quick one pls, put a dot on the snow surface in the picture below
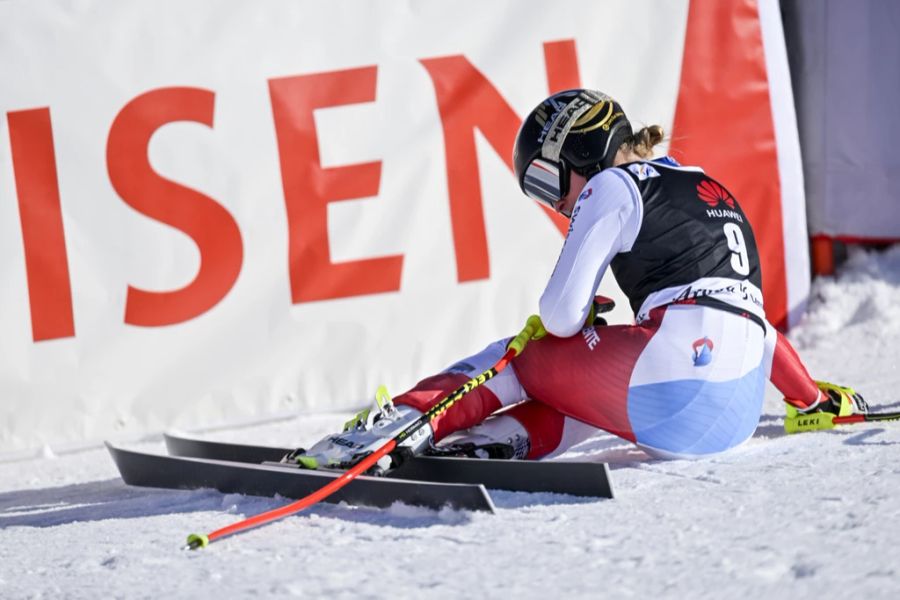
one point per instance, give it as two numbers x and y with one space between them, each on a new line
815 515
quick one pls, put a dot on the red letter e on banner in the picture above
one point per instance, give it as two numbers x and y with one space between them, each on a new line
309 188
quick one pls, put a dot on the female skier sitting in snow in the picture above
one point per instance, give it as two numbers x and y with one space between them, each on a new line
685 381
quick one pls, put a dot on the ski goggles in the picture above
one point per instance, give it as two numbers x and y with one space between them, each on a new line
546 181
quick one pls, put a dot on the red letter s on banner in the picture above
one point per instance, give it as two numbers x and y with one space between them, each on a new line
209 224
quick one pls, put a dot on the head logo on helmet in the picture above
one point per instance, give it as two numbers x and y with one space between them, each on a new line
577 129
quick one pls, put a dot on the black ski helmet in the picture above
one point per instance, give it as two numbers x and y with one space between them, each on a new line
576 129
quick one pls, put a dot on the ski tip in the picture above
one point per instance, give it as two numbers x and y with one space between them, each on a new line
817 421
195 541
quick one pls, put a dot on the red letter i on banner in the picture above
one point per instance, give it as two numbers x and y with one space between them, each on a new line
46 262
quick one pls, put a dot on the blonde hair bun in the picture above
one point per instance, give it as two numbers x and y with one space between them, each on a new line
643 141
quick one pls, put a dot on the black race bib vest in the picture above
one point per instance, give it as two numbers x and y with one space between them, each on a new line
692 228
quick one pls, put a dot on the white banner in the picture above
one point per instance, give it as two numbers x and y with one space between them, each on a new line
211 211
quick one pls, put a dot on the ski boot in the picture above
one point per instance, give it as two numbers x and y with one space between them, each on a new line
500 437
363 434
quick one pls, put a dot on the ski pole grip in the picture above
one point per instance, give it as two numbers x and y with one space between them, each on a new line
816 421
534 330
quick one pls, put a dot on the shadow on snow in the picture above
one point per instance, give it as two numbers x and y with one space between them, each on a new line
113 499
97 501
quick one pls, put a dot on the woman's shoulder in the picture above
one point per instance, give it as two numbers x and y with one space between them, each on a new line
610 191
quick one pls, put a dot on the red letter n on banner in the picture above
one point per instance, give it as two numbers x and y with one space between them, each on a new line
309 188
209 224
46 261
467 101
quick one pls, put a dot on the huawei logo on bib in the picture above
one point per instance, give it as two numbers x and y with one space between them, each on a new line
712 193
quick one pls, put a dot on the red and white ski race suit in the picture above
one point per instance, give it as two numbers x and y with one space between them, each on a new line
687 379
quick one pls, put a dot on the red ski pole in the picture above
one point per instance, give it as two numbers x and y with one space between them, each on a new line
534 329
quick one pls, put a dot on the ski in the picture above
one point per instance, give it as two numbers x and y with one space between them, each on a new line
574 478
230 477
